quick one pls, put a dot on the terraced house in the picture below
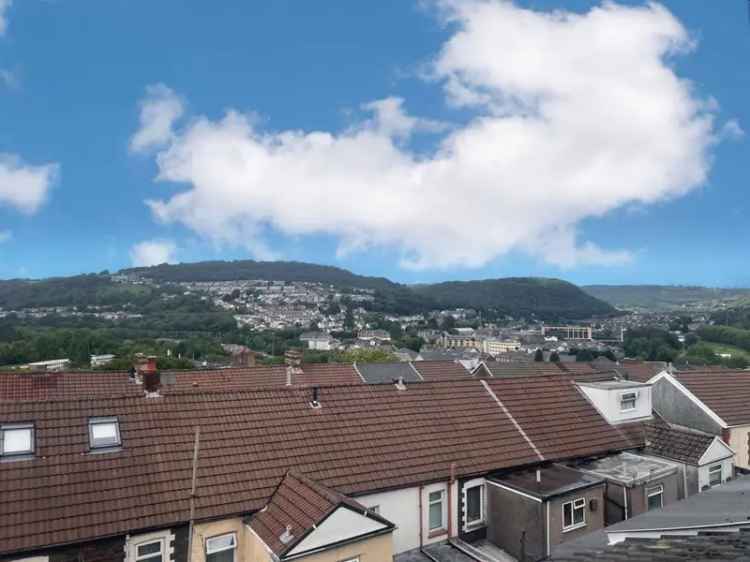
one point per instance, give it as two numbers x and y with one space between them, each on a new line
312 463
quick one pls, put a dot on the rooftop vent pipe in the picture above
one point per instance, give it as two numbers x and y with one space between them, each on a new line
400 385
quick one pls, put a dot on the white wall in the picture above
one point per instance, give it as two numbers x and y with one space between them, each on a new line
607 401
727 471
341 525
401 507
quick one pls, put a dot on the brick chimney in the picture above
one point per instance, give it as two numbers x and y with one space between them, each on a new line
150 374
293 361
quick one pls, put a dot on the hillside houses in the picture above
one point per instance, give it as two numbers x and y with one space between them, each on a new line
315 461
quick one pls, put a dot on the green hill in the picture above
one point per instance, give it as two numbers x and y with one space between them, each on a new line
548 299
665 297
544 298
263 270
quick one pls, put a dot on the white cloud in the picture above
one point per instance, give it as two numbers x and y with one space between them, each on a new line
732 130
574 116
5 235
4 6
159 110
153 252
24 186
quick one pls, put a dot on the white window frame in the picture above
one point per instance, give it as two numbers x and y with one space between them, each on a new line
430 502
482 501
15 427
152 555
354 559
652 491
713 469
233 547
134 541
580 504
624 397
104 420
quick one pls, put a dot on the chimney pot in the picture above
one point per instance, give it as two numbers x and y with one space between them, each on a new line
315 403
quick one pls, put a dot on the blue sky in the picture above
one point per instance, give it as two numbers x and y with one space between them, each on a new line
74 84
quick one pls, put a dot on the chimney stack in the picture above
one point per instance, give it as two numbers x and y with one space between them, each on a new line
150 374
315 403
293 361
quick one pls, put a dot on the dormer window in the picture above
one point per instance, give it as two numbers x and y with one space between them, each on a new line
627 401
16 439
104 433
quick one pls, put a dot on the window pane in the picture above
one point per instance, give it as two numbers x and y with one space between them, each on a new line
436 515
714 475
578 515
219 543
17 441
223 556
654 500
104 432
149 548
436 496
567 514
474 504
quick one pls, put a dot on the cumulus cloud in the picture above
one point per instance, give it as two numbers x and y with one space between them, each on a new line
153 252
573 116
24 186
4 6
159 110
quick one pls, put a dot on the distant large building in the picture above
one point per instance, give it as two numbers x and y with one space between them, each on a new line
51 365
461 341
568 332
493 346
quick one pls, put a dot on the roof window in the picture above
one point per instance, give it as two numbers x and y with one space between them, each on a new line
104 433
16 439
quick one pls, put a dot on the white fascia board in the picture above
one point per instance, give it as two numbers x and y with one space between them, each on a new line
717 443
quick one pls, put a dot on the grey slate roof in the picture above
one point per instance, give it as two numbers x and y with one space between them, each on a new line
720 506
554 480
380 373
717 547
676 443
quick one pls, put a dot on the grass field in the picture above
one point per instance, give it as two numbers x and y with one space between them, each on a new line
720 348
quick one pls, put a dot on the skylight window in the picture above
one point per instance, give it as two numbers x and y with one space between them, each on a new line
104 433
16 439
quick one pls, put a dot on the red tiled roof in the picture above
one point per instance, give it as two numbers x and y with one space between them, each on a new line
676 443
441 370
556 417
641 371
302 504
60 385
727 393
364 438
578 367
249 378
